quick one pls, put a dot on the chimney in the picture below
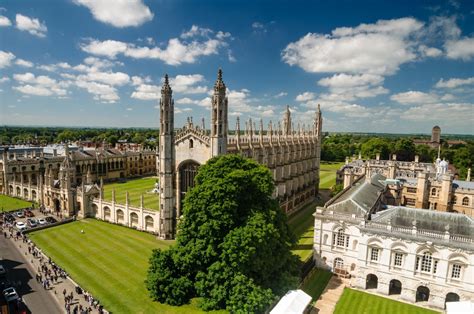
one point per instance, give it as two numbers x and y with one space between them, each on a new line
394 157
417 158
377 156
468 178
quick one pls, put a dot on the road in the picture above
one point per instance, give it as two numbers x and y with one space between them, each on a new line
20 273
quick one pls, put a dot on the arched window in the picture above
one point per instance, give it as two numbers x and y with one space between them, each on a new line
465 201
340 239
433 192
455 200
191 143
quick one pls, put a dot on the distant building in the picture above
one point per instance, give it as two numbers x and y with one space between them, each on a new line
418 255
435 141
415 184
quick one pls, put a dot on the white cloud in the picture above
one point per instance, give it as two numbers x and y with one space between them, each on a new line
460 49
346 81
137 80
186 101
24 63
378 48
426 51
6 58
39 85
176 52
4 79
196 31
147 92
4 21
118 13
305 96
282 94
346 87
102 92
454 82
458 113
111 78
186 84
414 97
31 25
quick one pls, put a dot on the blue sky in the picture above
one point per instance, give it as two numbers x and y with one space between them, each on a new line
373 66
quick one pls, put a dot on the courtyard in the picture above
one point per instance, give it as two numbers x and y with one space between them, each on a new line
353 301
8 203
135 188
327 174
109 261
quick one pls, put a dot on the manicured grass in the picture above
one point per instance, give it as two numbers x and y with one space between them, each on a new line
135 188
110 261
302 225
353 301
8 203
316 282
327 174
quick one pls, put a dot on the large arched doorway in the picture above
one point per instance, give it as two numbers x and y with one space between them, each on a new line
451 297
422 294
94 210
33 195
395 287
187 172
371 281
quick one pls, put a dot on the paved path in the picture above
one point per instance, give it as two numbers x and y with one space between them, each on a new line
327 302
55 292
22 275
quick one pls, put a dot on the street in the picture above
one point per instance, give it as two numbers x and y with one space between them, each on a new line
36 299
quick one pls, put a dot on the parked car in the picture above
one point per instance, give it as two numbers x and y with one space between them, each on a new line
51 219
29 213
20 225
32 222
20 214
10 294
42 221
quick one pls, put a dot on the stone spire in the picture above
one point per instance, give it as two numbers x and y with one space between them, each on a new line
287 121
203 124
167 162
260 133
237 130
219 120
270 130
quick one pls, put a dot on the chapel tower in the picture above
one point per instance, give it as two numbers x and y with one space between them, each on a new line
167 162
219 120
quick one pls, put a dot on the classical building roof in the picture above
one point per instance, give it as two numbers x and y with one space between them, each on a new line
433 220
463 184
361 198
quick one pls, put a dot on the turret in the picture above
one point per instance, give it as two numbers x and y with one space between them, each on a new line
287 122
167 162
219 118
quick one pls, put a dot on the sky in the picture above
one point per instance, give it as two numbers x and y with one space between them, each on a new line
373 66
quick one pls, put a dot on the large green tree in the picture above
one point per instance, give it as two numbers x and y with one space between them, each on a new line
233 242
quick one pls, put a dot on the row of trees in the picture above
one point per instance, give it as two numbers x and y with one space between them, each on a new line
338 146
50 135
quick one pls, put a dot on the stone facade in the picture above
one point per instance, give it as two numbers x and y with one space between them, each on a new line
416 184
68 183
413 254
292 154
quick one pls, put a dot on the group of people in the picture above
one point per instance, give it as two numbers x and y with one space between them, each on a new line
49 274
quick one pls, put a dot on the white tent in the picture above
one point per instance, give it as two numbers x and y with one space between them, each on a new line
460 307
293 302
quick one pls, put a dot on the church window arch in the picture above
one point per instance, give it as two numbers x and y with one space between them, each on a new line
465 201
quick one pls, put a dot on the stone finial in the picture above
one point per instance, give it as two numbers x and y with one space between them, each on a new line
203 124
166 89
126 198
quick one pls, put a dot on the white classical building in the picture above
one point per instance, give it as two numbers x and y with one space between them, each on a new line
417 255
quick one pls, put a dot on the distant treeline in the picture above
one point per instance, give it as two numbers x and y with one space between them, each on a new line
336 147
50 135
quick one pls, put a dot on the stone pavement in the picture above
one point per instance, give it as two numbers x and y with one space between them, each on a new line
56 289
328 299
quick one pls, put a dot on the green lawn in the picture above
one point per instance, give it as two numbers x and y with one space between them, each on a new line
327 174
316 282
135 188
353 301
110 261
8 203
302 225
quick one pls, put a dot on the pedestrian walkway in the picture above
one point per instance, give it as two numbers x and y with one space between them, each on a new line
63 289
327 301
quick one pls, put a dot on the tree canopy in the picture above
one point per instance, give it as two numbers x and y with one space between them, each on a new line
233 243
